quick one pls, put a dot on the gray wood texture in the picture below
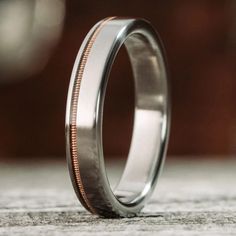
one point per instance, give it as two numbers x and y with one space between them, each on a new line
192 198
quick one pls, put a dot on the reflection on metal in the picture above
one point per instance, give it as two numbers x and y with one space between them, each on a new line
29 30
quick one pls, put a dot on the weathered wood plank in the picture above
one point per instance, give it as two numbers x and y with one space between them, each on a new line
192 198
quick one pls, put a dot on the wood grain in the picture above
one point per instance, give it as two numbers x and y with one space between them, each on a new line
192 198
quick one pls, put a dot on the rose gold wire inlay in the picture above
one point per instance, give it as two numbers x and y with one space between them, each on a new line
73 128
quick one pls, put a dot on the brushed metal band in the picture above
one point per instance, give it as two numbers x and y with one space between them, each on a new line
85 110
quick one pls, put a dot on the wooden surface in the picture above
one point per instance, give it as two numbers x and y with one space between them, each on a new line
192 198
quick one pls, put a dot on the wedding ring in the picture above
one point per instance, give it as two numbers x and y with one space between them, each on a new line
85 111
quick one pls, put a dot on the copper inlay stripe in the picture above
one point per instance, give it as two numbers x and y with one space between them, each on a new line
73 128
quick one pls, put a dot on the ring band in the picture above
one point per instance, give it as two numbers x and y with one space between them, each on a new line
85 110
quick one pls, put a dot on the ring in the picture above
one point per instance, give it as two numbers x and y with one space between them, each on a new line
84 114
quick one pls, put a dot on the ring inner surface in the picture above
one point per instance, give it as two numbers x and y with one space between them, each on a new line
149 117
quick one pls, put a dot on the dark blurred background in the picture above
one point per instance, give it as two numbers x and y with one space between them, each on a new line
39 41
